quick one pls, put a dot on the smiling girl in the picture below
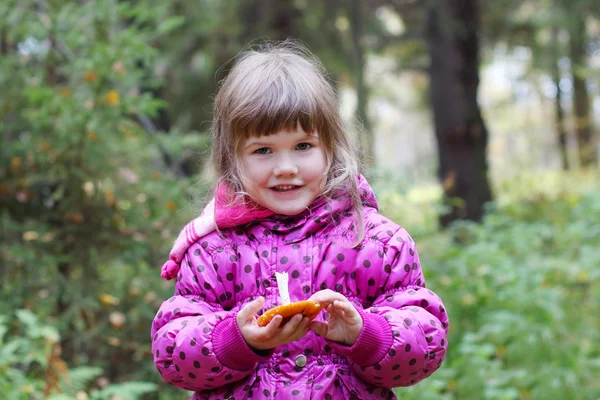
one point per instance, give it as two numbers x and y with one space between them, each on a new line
290 200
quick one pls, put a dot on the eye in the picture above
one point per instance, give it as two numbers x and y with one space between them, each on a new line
303 146
262 150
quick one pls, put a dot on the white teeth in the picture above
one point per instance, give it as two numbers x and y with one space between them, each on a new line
283 188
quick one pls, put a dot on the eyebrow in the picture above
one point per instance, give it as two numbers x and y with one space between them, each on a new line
251 143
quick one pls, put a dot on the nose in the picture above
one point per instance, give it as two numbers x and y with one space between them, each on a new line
285 166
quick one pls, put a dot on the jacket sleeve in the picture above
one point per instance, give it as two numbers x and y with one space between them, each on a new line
403 339
196 342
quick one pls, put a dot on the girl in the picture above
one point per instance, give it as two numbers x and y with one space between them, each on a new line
290 199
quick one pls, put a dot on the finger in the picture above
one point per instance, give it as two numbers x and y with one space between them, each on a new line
327 296
332 310
274 323
303 328
300 330
345 306
248 312
291 326
319 328
270 330
348 312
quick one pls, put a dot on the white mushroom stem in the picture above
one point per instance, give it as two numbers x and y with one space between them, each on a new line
282 285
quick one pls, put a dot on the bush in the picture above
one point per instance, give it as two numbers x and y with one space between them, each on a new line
523 295
89 207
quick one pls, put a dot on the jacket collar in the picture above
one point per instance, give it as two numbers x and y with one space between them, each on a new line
323 212
223 212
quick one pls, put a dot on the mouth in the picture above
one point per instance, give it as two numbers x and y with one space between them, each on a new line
284 188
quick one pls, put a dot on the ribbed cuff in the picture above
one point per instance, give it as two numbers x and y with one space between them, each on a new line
373 342
230 347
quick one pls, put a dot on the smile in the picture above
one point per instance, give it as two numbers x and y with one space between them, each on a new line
284 188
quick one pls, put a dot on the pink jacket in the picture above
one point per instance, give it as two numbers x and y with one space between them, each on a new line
198 346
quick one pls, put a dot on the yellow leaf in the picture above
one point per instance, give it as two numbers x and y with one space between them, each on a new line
30 235
92 137
108 300
16 162
109 196
468 299
501 351
449 181
48 237
171 205
75 218
583 277
27 389
150 297
90 76
112 98
452 385
45 147
117 220
56 369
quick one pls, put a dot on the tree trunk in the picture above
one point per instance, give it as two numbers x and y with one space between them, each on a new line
452 28
581 100
559 114
358 57
268 20
282 16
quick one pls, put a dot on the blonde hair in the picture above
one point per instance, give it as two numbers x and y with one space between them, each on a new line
276 87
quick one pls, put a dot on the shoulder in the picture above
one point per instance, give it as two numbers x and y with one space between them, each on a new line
220 248
396 251
210 243
383 230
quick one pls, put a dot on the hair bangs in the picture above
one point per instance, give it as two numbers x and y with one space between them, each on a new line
278 104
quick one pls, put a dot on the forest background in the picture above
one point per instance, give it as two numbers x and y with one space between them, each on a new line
480 125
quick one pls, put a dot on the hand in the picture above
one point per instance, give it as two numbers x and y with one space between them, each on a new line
272 335
344 324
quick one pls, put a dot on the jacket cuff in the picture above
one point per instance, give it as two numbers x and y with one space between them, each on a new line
230 347
373 342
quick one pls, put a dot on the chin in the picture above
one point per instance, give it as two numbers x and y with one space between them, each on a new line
289 209
289 212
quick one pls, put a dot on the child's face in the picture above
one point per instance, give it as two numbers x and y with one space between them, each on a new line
286 170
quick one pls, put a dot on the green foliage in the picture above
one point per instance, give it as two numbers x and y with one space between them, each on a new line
30 366
523 294
24 347
88 207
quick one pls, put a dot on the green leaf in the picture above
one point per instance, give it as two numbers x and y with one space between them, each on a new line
170 24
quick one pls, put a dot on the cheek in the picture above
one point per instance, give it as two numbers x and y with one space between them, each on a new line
318 166
254 173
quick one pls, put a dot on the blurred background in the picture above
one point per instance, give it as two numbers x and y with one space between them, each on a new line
480 136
